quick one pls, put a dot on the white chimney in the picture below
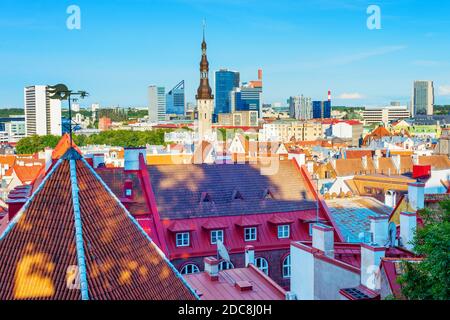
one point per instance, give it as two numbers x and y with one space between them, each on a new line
415 159
98 160
416 195
390 198
249 255
132 156
370 265
376 162
212 268
396 160
408 226
48 159
323 239
364 162
310 166
379 229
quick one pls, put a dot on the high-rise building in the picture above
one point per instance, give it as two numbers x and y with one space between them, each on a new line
300 108
43 116
175 100
248 97
422 102
157 103
322 109
226 82
205 98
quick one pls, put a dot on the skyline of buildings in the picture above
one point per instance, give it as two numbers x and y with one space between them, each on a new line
422 101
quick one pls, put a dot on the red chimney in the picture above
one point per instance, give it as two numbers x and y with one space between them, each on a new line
260 74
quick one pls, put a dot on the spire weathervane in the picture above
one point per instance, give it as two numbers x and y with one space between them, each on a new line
62 92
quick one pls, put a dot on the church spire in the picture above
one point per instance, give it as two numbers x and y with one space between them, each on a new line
204 91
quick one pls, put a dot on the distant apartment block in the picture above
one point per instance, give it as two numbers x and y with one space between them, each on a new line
300 108
248 97
175 100
385 114
226 82
239 119
43 116
422 102
287 131
157 103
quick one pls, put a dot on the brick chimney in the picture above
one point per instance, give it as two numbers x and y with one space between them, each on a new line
379 229
132 158
249 255
408 226
371 256
323 239
212 268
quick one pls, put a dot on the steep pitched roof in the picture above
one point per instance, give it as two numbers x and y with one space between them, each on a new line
74 225
178 189
62 147
437 162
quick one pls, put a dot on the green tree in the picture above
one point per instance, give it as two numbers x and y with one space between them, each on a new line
34 144
430 279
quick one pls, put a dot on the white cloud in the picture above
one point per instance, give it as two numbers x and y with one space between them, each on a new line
444 90
351 96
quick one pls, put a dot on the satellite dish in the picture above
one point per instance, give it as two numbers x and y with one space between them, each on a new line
392 234
223 252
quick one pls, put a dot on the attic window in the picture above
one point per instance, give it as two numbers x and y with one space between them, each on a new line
205 198
237 196
268 195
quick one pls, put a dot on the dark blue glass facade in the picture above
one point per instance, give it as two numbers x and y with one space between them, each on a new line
249 99
226 81
321 109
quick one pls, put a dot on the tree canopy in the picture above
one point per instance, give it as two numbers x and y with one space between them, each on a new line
121 138
430 279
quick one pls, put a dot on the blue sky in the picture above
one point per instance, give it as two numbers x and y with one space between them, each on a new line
304 47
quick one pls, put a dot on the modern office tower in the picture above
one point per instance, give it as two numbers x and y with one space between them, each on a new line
248 97
175 100
226 82
157 103
322 109
300 108
422 102
43 115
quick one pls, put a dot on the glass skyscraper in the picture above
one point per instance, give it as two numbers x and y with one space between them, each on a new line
248 99
157 103
321 109
226 81
175 100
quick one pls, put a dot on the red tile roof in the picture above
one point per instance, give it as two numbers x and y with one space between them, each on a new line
262 287
121 261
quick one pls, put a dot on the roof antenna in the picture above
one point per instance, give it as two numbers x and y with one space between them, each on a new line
62 92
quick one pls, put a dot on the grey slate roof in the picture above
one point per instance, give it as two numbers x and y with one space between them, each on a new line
179 190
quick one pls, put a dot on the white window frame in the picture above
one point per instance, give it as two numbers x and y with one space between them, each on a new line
253 232
224 263
216 235
262 264
190 269
286 267
284 231
183 239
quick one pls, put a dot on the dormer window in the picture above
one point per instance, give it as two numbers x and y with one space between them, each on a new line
250 234
216 235
128 193
183 239
237 196
205 198
268 194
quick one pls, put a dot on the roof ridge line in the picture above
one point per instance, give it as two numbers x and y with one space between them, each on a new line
19 215
136 223
78 231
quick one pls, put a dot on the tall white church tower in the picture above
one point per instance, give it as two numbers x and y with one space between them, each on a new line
205 99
